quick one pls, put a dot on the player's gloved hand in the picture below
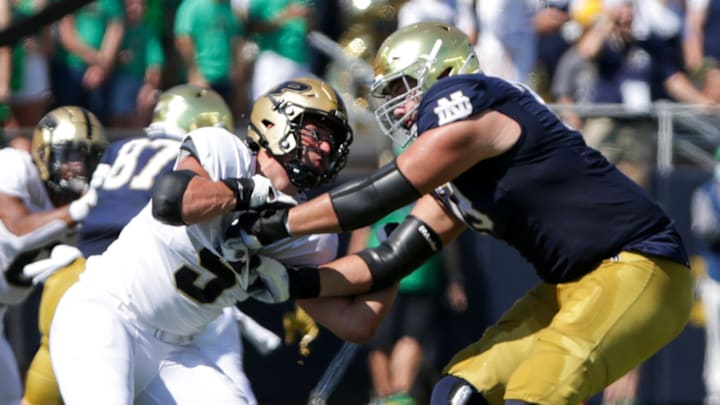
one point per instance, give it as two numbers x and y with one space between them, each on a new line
298 324
268 280
265 227
263 339
257 192
236 236
60 257
80 208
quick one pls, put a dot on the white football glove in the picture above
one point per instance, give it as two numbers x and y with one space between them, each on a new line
265 195
80 208
263 339
256 193
61 256
268 280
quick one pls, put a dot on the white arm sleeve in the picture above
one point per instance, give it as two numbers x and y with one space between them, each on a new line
39 237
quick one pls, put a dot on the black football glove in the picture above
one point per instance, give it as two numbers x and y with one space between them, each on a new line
266 226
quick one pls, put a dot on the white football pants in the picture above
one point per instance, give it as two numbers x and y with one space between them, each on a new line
10 385
710 295
100 355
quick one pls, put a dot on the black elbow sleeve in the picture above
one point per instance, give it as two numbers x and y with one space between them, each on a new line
168 196
411 244
363 202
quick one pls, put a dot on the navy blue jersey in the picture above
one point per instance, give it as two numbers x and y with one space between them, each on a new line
135 165
556 200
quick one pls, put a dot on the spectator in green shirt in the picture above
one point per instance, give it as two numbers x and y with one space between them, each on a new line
138 69
280 28
90 40
207 37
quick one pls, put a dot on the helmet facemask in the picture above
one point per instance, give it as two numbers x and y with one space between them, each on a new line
411 80
70 168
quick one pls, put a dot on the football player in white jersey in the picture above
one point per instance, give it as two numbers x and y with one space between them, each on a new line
126 332
43 195
124 181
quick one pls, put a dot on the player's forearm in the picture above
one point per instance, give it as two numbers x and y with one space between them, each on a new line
345 276
353 205
26 224
315 216
354 319
204 200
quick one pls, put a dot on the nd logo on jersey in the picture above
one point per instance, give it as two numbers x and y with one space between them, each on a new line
457 107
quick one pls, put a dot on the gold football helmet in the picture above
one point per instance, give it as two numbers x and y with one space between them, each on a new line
67 145
415 57
278 116
186 107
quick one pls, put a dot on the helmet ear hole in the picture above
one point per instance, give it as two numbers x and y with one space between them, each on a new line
445 73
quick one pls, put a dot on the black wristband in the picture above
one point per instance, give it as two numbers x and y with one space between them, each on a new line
304 282
243 189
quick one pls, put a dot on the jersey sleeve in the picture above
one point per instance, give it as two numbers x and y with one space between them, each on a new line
453 99
16 168
221 153
183 18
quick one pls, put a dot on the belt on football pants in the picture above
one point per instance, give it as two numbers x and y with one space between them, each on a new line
159 334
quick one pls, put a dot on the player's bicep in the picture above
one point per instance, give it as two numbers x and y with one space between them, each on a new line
437 156
443 153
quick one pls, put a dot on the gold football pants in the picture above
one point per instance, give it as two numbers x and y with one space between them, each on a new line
560 344
40 385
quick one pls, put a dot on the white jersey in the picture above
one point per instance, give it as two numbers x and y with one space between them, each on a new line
174 278
18 178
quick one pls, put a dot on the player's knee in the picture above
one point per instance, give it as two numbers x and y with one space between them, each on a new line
451 390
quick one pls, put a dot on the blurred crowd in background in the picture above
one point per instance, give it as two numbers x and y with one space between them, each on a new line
114 56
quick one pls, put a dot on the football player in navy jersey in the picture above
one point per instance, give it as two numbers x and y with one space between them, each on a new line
488 155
